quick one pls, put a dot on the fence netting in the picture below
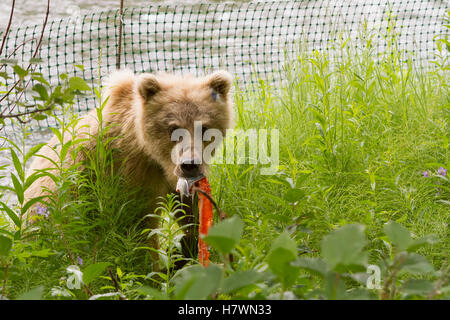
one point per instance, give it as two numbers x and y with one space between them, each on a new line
246 38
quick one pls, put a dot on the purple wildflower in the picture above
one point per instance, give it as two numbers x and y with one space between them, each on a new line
426 174
42 211
442 171
80 261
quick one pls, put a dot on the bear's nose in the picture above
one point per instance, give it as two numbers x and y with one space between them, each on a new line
190 169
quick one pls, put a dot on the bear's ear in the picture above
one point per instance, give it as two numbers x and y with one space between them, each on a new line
148 86
220 82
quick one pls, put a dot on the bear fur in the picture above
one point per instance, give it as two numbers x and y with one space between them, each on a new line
140 114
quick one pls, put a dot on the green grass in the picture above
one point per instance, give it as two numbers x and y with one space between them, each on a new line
357 131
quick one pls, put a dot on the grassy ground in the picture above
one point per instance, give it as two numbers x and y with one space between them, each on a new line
357 133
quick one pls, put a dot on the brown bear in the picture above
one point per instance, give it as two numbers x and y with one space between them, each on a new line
141 113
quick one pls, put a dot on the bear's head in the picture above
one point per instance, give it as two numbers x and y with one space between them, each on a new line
182 119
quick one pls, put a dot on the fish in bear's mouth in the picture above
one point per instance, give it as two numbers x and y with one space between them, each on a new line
184 185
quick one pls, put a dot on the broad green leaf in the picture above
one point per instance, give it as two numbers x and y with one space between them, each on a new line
416 264
35 60
4 75
197 282
282 253
342 249
5 245
39 116
417 286
240 279
334 286
33 294
399 235
277 217
93 271
77 83
226 234
313 265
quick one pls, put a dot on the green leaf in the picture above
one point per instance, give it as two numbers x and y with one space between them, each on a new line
426 240
119 272
342 249
226 234
39 116
79 66
313 265
4 75
417 286
240 279
197 282
93 271
17 164
31 202
33 150
281 254
8 61
277 217
416 264
36 60
399 235
152 292
33 294
32 178
17 188
39 78
41 91
77 83
358 294
22 73
5 245
294 195
9 233
11 214
334 287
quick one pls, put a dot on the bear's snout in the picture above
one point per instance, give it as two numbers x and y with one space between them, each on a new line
190 169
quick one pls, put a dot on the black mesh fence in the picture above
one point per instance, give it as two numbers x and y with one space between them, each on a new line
246 38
